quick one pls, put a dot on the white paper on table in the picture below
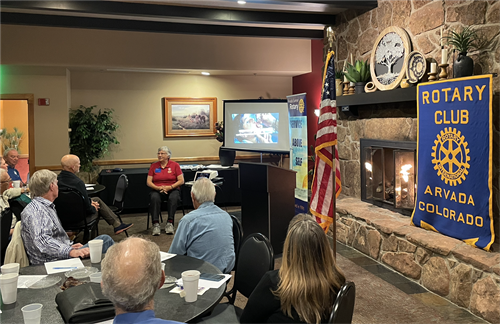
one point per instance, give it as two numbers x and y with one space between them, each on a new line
201 290
90 188
89 184
23 280
165 256
209 283
66 265
107 322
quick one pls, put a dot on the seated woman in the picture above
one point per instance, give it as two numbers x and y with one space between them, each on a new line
7 193
164 177
304 288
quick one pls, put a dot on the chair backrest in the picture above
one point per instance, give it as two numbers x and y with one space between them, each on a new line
70 207
17 206
237 236
255 258
343 307
5 222
121 188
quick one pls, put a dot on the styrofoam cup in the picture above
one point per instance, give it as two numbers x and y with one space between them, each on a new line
10 268
190 281
32 313
95 247
96 277
8 286
163 266
16 184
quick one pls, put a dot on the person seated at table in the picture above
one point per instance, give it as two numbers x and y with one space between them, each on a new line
95 207
11 157
3 165
43 235
9 193
304 288
164 177
206 233
131 275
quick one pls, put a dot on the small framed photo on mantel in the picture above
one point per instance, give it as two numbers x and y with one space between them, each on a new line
185 117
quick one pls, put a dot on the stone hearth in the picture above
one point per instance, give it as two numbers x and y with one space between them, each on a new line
467 276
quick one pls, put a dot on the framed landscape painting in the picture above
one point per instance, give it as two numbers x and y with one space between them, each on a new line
189 116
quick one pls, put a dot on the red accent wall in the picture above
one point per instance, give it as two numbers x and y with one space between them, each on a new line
310 83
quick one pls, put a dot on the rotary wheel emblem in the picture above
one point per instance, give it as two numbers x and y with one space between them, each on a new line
451 156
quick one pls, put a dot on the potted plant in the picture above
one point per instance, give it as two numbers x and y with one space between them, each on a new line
339 75
359 73
226 156
11 140
464 41
91 134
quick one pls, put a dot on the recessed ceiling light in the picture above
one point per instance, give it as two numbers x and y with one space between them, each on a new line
241 2
205 73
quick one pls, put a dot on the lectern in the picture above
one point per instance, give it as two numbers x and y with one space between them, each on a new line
267 201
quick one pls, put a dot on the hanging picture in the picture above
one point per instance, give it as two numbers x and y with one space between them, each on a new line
189 116
388 59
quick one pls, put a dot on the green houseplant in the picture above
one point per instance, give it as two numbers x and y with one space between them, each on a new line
91 134
359 73
464 41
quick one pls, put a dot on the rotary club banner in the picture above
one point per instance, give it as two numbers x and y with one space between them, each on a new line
297 111
454 151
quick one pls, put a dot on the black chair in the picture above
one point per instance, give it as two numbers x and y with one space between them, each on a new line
237 237
5 222
70 207
343 307
256 257
119 201
17 206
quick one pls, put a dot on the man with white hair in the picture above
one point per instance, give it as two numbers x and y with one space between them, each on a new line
43 235
11 157
131 275
95 207
207 232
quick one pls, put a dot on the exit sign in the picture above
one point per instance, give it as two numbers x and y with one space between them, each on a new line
43 101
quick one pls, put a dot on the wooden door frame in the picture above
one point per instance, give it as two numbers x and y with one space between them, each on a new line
31 123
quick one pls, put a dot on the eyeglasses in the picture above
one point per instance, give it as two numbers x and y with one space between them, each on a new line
7 181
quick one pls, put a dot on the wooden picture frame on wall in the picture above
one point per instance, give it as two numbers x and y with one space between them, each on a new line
389 58
184 117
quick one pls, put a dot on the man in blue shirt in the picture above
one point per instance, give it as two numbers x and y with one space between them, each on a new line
11 157
206 233
131 275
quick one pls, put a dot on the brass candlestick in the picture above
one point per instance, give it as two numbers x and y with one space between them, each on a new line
443 74
346 88
432 76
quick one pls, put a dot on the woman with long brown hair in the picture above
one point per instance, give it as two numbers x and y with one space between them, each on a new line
304 288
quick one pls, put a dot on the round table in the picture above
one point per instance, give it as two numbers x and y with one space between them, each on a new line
168 305
96 189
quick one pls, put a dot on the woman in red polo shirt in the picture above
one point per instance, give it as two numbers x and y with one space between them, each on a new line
164 177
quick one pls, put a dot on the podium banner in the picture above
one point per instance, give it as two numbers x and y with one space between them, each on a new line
297 111
454 154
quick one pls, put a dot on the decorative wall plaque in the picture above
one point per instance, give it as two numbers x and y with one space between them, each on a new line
415 67
388 59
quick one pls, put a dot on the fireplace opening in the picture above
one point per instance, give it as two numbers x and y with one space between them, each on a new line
388 174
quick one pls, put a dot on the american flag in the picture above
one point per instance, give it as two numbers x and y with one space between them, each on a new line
322 200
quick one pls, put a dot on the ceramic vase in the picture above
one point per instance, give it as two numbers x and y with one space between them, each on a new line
463 66
338 87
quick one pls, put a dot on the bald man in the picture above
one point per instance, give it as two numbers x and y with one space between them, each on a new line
131 275
95 207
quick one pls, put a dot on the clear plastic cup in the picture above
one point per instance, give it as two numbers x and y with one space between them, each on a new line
32 313
10 268
96 277
8 287
190 281
95 247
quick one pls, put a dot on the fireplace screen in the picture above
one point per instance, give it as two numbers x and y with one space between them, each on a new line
388 174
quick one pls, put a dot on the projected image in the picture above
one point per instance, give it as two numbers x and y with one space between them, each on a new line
256 128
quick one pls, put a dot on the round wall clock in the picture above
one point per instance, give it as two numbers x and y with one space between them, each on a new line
415 67
388 59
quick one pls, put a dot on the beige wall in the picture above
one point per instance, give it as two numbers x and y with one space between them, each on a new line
14 113
51 122
137 101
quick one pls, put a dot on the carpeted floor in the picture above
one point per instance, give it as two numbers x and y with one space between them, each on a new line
382 295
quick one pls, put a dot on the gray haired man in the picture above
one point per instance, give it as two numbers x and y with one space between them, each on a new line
207 232
131 275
